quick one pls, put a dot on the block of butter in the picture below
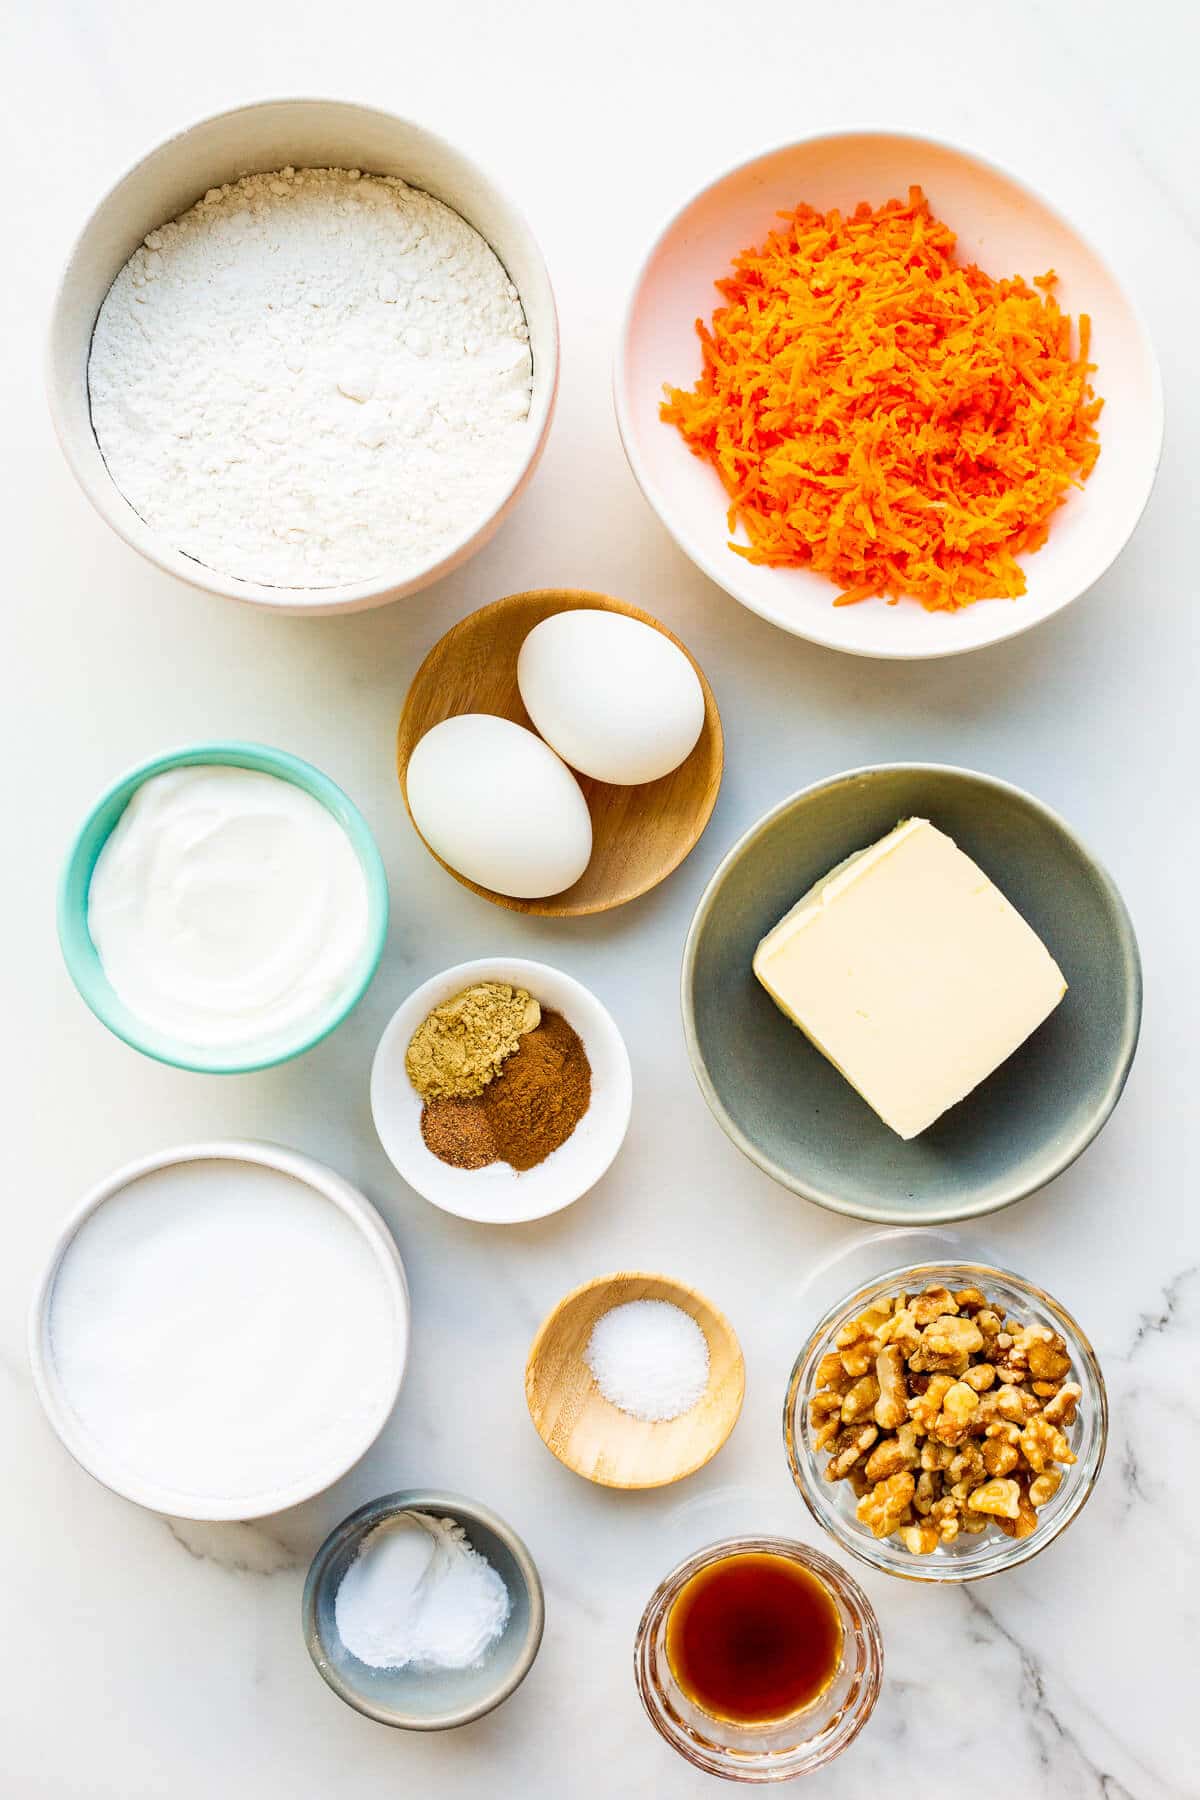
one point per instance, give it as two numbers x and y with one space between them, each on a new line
911 972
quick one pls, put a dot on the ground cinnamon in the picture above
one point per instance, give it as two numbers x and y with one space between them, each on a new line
540 1095
527 1110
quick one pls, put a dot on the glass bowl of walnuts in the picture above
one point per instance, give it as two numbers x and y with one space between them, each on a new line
946 1421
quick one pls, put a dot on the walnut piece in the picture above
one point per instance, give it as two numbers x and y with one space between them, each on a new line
887 1505
1044 1487
945 1514
1002 1497
860 1401
944 1416
999 1457
958 1404
1048 1359
1013 1403
967 1465
1043 1443
894 1454
1061 1409
932 1304
928 1490
858 1482
901 1328
952 1337
858 1348
825 1417
926 1407
891 1408
1025 1522
846 1449
831 1374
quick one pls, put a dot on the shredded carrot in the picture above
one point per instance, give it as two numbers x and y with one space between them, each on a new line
880 412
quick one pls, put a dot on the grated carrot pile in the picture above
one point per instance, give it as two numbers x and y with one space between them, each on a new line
882 413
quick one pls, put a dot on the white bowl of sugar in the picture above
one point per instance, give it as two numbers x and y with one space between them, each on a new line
221 1330
329 374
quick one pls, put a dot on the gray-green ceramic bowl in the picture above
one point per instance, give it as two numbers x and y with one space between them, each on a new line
425 1700
790 1110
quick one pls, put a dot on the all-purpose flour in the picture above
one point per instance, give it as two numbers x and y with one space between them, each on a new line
313 377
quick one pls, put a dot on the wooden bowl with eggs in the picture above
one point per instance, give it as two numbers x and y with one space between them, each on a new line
640 833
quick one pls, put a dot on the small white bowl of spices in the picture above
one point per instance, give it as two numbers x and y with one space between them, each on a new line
501 1090
304 354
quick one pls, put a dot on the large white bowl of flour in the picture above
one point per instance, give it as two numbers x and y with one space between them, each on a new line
221 1331
305 355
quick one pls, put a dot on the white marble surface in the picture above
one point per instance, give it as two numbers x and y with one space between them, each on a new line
145 1658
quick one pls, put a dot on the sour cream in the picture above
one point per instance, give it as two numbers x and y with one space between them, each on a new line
227 907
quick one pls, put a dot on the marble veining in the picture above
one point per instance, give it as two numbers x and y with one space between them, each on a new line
1177 1297
249 1548
1064 1762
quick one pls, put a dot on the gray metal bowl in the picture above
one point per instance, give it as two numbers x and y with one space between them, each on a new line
425 1700
792 1113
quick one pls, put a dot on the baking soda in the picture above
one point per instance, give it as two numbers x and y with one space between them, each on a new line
419 1595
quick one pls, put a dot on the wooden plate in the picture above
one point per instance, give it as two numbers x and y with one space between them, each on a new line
596 1439
639 834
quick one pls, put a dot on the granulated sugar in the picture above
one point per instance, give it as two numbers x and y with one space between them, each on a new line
313 377
220 1329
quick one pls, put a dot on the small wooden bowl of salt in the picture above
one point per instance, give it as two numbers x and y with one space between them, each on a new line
635 1381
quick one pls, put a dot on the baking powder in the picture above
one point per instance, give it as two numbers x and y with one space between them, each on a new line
313 377
419 1595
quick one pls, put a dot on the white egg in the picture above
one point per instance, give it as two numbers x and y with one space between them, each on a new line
614 697
497 805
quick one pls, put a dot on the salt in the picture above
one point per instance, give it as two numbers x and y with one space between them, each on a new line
649 1358
418 1595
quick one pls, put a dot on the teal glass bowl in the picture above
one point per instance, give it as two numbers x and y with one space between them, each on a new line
84 965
